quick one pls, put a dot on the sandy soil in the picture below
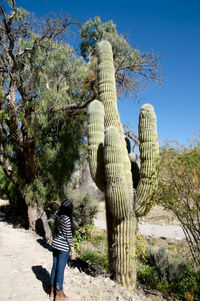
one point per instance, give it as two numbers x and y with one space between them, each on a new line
25 263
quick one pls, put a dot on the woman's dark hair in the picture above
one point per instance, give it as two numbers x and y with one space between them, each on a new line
66 208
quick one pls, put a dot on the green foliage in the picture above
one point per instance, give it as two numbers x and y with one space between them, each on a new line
57 153
88 233
91 244
7 188
167 265
147 275
78 239
179 192
35 191
189 284
40 140
22 15
160 268
95 31
85 208
164 269
96 257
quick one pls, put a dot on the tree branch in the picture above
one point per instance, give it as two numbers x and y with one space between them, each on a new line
72 107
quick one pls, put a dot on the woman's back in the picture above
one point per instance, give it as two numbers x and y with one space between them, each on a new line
62 238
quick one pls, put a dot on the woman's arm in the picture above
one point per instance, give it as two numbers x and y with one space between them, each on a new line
69 237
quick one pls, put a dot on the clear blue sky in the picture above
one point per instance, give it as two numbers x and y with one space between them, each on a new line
169 27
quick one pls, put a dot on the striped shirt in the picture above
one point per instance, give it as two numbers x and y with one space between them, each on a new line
62 238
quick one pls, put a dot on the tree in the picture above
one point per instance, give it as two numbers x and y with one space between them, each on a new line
133 68
179 189
41 82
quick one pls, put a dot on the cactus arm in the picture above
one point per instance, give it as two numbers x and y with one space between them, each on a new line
108 96
149 156
116 192
96 142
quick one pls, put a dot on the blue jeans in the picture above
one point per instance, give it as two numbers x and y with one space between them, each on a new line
60 259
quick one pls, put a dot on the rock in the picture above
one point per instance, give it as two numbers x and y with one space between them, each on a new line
82 181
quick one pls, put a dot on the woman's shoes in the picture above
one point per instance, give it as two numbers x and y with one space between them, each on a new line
60 296
52 294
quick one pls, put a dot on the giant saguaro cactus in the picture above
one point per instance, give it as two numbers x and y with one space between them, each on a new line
111 169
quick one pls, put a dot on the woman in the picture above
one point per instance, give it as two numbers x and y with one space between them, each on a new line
62 244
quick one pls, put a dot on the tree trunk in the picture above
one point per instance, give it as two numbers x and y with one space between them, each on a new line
38 221
21 209
122 249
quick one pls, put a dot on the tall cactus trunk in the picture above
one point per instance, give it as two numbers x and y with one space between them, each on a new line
122 251
121 220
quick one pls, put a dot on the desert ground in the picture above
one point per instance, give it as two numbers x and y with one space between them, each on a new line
25 261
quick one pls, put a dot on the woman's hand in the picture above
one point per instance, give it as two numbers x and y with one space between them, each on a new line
73 254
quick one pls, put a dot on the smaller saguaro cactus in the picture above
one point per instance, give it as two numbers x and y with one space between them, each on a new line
127 197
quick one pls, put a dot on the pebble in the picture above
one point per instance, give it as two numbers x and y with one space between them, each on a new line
101 289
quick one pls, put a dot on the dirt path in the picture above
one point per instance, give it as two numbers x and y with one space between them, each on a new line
25 263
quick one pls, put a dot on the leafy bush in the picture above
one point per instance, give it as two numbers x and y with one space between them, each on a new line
178 189
91 245
91 234
85 208
167 262
189 285
164 269
98 257
84 233
148 275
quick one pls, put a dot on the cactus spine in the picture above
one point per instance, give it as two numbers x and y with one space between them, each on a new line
111 169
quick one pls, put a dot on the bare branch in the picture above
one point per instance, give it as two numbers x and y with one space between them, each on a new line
130 134
72 107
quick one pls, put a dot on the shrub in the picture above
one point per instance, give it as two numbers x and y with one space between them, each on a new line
97 257
178 189
85 208
88 233
91 245
147 275
164 269
190 286
168 265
